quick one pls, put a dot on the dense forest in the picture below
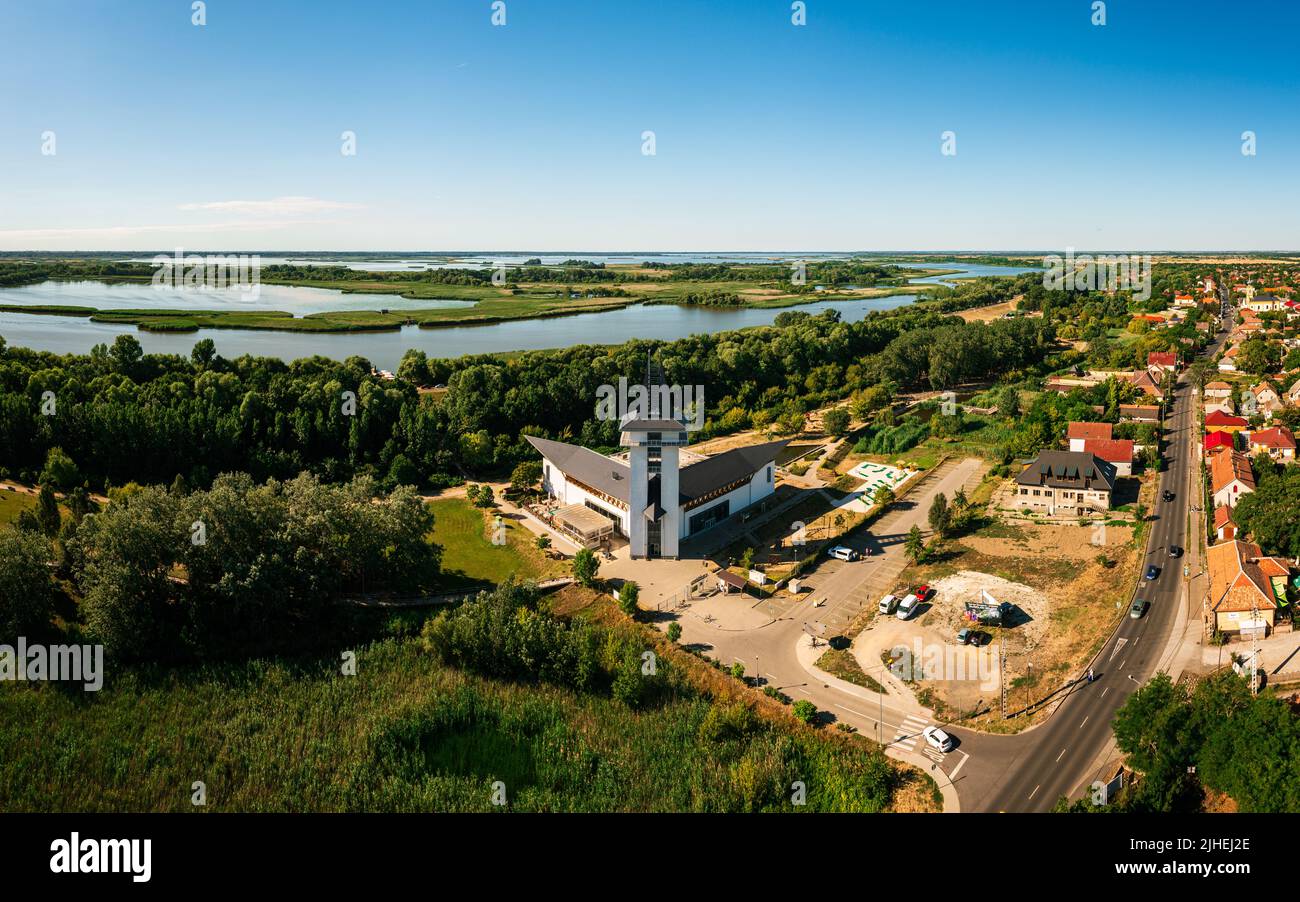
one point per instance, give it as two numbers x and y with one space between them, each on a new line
122 416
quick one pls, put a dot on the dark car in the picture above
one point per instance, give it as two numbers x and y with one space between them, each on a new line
1175 551
973 637
1151 573
1167 495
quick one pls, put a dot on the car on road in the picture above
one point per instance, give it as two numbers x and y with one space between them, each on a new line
844 553
937 738
973 637
1138 608
889 604
923 592
907 607
1175 551
1151 572
1167 495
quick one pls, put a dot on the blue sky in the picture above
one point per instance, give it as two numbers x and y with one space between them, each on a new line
768 136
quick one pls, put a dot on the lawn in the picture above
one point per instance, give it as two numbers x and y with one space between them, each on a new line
468 555
12 504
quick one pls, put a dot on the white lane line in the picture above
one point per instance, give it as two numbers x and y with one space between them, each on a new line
1059 757
964 758
1036 788
1121 664
804 691
851 711
1104 691
1085 720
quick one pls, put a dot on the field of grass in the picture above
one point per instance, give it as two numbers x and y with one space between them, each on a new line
839 662
410 734
12 504
468 555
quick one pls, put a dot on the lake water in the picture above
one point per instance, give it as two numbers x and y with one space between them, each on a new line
63 334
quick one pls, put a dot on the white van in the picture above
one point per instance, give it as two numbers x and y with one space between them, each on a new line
907 607
888 604
843 553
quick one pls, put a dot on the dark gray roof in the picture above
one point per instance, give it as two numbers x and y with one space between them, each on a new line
1068 470
586 466
723 469
652 426
700 478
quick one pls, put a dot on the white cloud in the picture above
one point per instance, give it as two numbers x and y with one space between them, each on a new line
259 225
276 206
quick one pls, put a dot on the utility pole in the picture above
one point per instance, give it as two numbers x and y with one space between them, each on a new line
1002 666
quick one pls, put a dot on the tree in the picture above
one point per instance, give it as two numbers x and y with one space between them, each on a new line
203 353
836 421
26 590
1008 402
59 472
674 631
525 476
543 542
940 516
914 545
805 710
47 512
884 496
738 670
483 496
585 567
627 598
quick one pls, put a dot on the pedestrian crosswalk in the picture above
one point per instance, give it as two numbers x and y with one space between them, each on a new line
909 733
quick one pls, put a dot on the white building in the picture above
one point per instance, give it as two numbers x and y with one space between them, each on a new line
653 500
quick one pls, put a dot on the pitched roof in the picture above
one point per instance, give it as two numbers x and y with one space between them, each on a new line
1068 470
1226 466
1218 440
1217 385
1276 437
1114 450
614 478
1223 516
1241 577
1219 418
1088 430
1162 358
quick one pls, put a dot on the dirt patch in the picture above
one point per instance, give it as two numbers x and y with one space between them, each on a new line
952 592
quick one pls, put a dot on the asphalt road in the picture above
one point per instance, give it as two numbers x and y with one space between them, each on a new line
1030 772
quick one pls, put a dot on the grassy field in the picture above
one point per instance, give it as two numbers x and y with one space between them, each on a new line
468 555
12 504
410 734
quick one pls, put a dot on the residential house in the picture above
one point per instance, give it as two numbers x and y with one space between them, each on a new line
1139 413
1078 433
1148 383
1066 482
1215 440
1184 300
1293 393
1225 528
1218 390
1217 421
1118 452
1246 589
1265 400
1165 361
1230 477
1277 442
1228 362
1221 406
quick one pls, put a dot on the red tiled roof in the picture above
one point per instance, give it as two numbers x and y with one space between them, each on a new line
1219 418
1114 450
1223 516
1276 437
1218 440
1162 358
1089 430
1226 466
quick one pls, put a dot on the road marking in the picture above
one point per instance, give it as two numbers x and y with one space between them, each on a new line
1036 788
1059 757
964 758
1121 664
1119 643
1085 720
851 711
1104 691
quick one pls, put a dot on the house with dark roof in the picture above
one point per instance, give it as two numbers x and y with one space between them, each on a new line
653 499
1066 483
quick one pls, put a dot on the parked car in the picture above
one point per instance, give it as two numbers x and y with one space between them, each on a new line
907 607
1138 608
843 553
1151 572
938 739
974 637
923 592
889 604
1175 551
